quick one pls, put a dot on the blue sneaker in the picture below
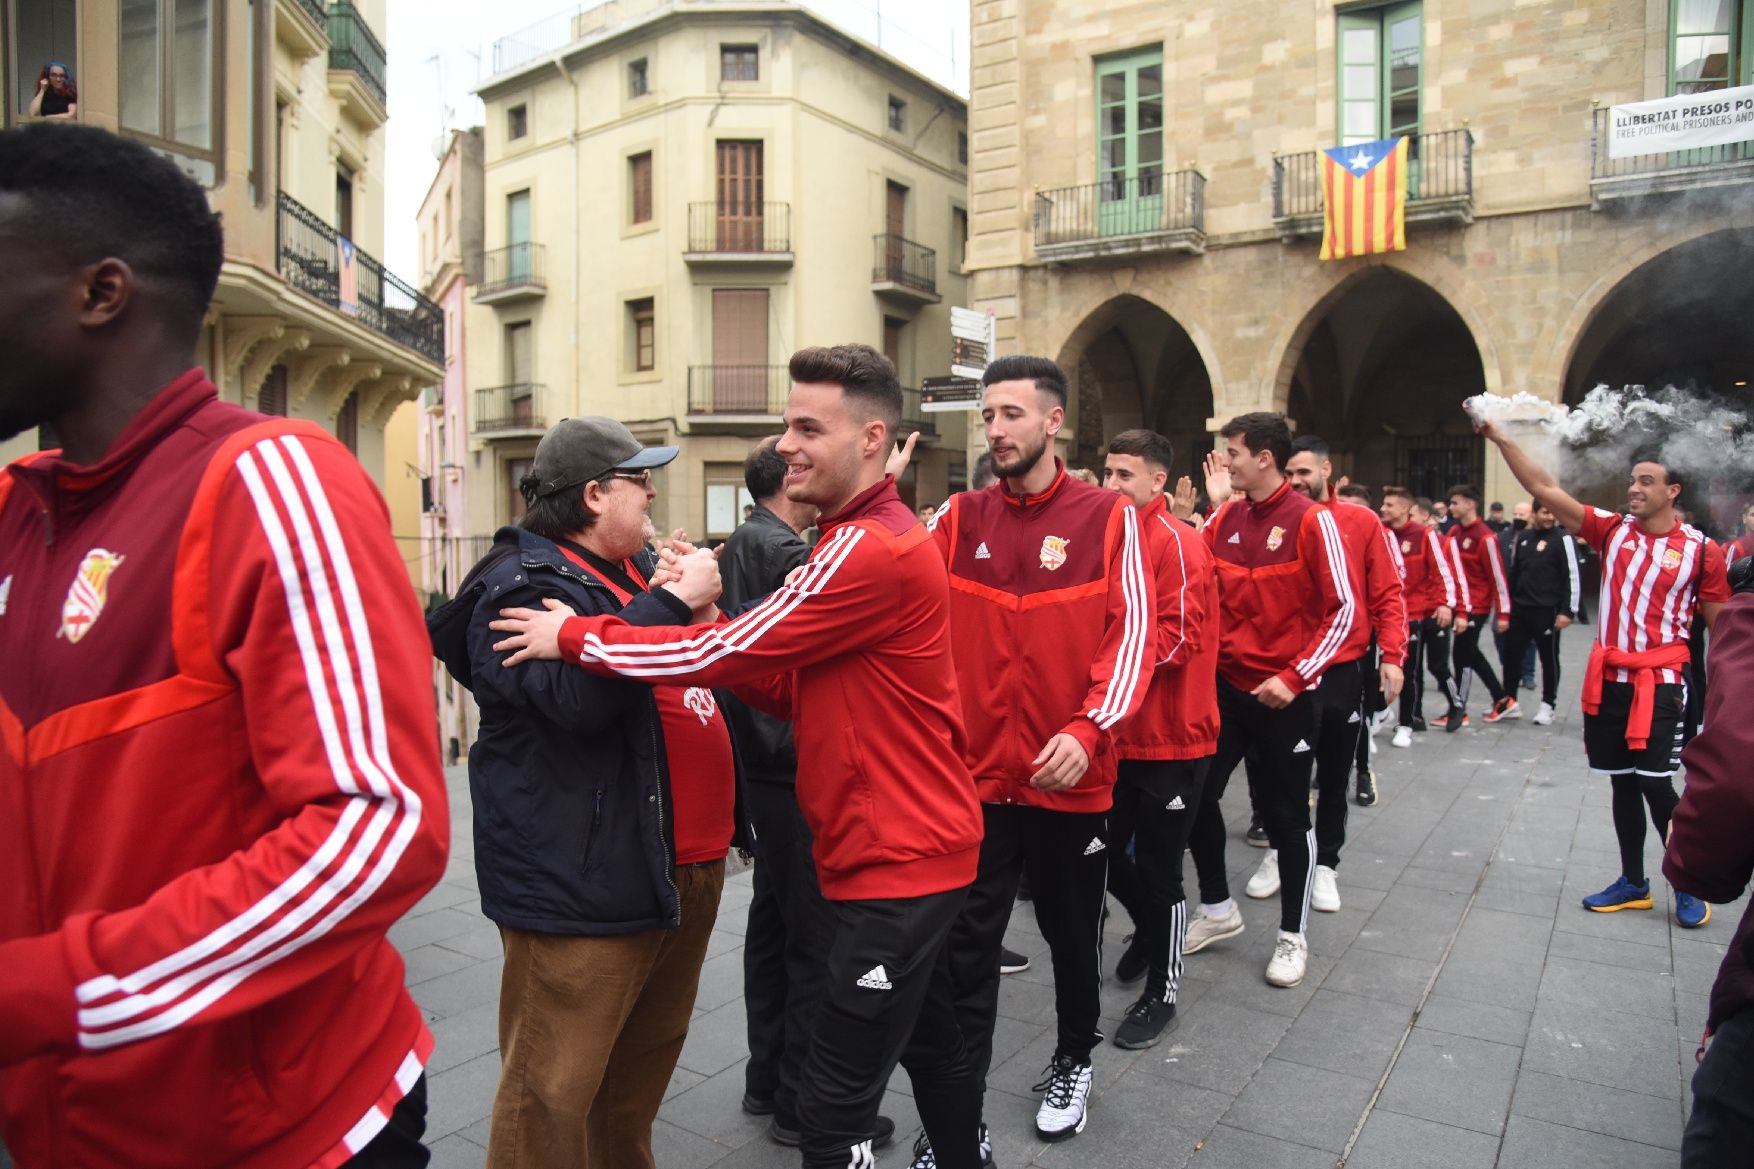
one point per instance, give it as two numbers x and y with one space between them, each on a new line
1622 894
1690 911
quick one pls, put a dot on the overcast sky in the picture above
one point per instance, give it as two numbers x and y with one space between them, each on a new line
440 50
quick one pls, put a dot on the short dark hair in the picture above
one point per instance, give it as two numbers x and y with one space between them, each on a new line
1495 506
1467 491
92 195
1156 450
983 475
860 371
1671 476
559 513
764 472
1355 491
1424 502
1262 431
1395 489
1047 375
1310 444
1748 507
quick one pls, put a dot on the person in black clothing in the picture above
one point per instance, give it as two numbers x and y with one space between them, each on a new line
56 95
1545 587
790 923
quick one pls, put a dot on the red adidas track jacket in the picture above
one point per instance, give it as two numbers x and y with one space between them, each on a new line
1052 621
1431 577
219 786
1286 597
1479 564
862 655
1376 574
1179 718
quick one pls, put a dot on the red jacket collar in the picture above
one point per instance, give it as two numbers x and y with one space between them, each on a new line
1273 500
58 481
861 504
1158 505
1052 489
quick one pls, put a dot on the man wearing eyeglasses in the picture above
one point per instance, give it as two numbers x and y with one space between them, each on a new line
604 809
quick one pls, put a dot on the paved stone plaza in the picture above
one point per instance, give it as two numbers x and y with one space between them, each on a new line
1461 1010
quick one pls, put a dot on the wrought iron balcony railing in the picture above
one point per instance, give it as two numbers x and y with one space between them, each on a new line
904 264
519 267
511 407
316 260
738 389
913 418
317 10
751 229
1440 183
352 46
1668 171
1154 211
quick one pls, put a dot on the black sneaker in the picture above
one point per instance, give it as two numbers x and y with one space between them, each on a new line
1366 793
757 1105
1011 962
1257 833
1455 720
924 1158
1145 1023
1133 964
1418 725
789 1136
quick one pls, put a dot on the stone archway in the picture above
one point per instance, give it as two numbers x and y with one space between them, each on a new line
1380 367
1133 364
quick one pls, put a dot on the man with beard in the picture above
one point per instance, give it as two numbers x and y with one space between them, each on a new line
1051 622
1658 576
1544 589
856 651
1288 607
1429 592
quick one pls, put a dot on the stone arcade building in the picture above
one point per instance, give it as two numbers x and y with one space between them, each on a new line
1146 208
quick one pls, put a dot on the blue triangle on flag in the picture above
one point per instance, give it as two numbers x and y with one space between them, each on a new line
1359 158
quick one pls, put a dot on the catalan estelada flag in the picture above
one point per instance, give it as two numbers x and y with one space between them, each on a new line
1364 196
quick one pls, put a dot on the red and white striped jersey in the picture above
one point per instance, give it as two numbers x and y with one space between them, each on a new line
1651 585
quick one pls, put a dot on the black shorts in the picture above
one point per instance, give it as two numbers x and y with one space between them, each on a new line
1604 733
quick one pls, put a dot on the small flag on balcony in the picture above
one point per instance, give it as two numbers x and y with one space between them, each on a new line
349 276
1364 195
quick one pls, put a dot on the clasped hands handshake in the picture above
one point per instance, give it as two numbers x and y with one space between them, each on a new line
690 573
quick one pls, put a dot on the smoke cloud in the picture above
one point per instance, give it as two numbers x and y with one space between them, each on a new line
1598 440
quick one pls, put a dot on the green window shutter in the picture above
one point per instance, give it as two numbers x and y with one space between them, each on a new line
1129 142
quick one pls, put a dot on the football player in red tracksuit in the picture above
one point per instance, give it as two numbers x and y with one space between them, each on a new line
1430 592
1479 565
1376 576
858 639
1659 575
1742 545
1052 626
219 784
1166 748
1288 611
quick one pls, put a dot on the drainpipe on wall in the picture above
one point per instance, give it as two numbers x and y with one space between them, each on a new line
573 317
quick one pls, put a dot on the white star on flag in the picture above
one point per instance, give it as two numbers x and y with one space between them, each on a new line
1359 162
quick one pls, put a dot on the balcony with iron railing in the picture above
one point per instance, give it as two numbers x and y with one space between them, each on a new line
904 270
1668 172
313 258
1440 184
756 233
1157 211
509 411
514 273
915 419
357 60
302 26
737 394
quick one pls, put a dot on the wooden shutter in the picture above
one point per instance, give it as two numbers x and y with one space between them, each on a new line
639 173
741 195
740 370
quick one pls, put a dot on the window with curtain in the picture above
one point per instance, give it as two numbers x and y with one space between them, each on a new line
1129 142
1380 59
1709 44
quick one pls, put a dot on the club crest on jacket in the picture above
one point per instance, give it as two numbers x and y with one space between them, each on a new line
1053 552
86 596
1672 559
1275 538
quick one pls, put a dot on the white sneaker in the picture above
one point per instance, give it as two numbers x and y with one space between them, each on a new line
1265 882
1065 1092
1544 716
1203 930
1325 896
1290 960
1404 737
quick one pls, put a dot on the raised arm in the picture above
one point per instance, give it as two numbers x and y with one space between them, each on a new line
1536 479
